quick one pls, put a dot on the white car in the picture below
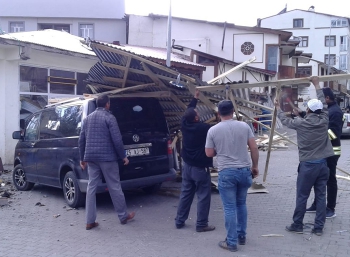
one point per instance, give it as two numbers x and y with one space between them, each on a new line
346 125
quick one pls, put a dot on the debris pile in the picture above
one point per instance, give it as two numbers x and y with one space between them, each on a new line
278 143
6 187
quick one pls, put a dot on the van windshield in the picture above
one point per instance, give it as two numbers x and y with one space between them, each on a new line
139 114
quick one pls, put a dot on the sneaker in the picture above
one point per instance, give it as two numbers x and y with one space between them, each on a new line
224 245
317 231
241 240
330 214
311 209
294 229
205 229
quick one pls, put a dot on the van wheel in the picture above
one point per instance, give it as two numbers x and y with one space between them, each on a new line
71 191
20 179
152 189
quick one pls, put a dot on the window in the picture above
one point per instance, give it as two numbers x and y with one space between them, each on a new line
339 23
33 79
81 84
329 41
343 62
16 26
31 133
304 42
60 27
272 58
298 23
62 82
49 125
307 70
344 43
86 30
70 120
332 59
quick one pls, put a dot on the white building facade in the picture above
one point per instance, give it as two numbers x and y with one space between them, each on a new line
325 36
32 74
102 21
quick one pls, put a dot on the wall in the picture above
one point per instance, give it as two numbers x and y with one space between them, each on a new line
9 88
201 36
107 30
102 9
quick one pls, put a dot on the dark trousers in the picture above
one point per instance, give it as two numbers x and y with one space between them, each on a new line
311 175
194 180
332 186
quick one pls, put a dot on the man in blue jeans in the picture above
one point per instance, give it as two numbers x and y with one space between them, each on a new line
228 141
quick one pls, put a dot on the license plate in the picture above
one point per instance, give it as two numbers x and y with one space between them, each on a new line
137 151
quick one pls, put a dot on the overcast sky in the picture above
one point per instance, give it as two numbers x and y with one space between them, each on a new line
244 12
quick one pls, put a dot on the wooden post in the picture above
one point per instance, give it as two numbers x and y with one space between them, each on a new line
274 117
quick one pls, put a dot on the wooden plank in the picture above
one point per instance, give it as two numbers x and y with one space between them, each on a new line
282 82
274 118
202 97
111 79
119 90
134 56
126 72
158 94
157 80
114 66
234 104
253 103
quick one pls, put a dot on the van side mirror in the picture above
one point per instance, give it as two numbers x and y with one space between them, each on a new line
17 135
22 123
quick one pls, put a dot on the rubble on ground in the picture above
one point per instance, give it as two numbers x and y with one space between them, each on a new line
7 189
278 143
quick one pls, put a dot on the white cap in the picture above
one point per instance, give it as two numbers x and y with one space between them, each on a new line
315 104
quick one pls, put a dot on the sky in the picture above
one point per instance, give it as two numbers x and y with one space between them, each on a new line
245 12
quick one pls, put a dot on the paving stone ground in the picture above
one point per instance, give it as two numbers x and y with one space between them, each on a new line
30 230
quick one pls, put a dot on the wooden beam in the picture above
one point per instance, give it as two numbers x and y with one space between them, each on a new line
114 66
202 97
157 94
232 70
253 103
126 71
134 56
234 104
157 80
119 90
274 118
111 79
282 82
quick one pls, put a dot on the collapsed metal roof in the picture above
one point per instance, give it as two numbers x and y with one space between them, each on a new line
123 73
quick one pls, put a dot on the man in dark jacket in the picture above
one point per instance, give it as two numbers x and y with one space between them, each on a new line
334 131
195 172
100 145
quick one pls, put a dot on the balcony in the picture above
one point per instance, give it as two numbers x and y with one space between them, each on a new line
286 72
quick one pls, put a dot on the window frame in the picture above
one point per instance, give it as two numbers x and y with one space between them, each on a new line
24 26
84 23
53 26
330 56
329 39
304 68
298 19
301 41
343 57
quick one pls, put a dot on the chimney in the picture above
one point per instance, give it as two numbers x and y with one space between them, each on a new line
116 43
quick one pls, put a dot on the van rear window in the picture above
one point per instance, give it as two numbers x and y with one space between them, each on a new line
141 114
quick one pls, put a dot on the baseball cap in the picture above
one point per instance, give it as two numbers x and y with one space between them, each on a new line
315 104
225 107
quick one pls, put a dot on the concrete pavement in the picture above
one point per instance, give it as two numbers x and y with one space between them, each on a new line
30 230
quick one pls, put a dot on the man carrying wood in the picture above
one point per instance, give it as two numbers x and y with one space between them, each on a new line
195 173
228 140
314 148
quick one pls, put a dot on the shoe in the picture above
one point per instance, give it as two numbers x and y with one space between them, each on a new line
224 245
294 229
178 226
205 229
330 214
131 215
311 209
317 231
91 225
241 240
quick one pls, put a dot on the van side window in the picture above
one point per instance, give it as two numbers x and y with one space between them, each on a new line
50 125
70 119
31 133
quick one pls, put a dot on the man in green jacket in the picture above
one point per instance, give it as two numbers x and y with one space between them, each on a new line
314 148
